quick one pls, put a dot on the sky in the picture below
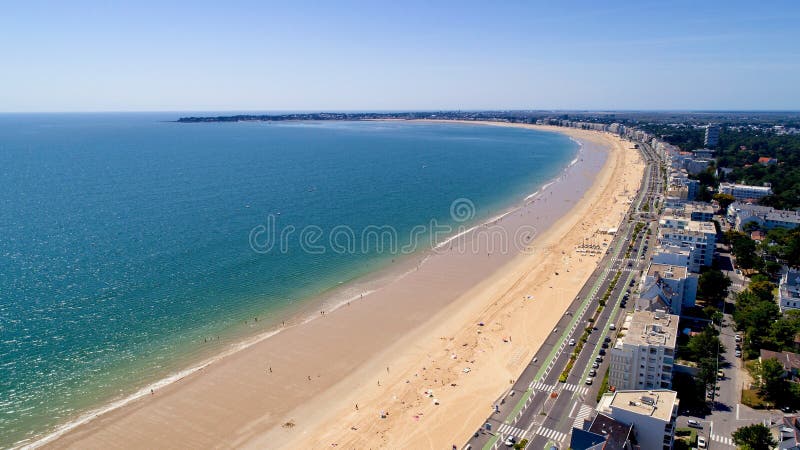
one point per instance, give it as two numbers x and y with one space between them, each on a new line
399 55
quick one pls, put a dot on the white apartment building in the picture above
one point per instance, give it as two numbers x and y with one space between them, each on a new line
651 412
643 357
789 291
699 237
766 217
743 191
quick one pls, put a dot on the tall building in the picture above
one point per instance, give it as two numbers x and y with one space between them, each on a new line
699 237
643 357
651 412
712 136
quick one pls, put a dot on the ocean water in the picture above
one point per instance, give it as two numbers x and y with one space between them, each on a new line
127 241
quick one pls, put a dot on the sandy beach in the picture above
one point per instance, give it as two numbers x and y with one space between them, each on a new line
357 377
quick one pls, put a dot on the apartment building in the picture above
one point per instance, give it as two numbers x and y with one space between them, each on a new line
643 357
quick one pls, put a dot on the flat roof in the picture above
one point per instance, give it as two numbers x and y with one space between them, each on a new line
655 403
667 271
652 328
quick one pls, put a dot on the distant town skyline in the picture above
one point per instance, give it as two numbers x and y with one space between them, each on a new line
373 56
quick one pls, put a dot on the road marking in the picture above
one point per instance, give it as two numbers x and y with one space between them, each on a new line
513 431
580 390
539 386
572 410
552 434
722 439
585 412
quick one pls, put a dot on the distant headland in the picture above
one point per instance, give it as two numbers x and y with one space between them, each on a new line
447 115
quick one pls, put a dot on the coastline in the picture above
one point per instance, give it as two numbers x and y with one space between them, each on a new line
139 415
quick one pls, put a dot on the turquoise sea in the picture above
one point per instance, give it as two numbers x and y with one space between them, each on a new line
125 238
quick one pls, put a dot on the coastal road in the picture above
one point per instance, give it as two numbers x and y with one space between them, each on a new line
541 408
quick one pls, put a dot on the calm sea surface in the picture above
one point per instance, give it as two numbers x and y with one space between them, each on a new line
125 240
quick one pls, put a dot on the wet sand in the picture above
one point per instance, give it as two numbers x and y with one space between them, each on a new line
300 387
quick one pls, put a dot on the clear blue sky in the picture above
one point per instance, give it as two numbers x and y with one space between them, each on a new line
398 55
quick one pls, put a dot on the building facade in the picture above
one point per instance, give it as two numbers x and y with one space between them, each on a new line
644 357
744 191
789 291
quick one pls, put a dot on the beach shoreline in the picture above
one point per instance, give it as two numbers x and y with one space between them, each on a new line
96 430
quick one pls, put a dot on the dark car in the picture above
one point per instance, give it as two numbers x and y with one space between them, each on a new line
602 351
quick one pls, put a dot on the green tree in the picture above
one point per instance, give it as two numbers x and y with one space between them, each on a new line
703 344
773 384
707 371
744 249
754 437
763 289
724 200
713 286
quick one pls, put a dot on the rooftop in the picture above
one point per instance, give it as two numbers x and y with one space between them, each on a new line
667 271
655 403
652 328
787 359
615 432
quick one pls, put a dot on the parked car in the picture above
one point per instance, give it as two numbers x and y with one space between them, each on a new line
720 374
607 339
602 352
738 353
572 342
612 327
738 338
588 381
695 424
599 359
701 442
592 373
595 365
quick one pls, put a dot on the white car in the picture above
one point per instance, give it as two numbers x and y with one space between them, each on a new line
510 441
701 442
572 342
612 327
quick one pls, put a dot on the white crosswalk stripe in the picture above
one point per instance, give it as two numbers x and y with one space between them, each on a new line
584 413
722 439
552 434
539 386
581 390
513 431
